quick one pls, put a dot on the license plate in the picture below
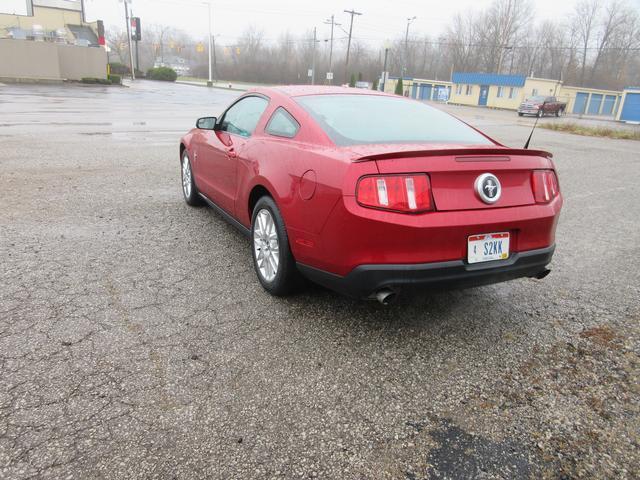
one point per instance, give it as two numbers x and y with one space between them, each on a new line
488 247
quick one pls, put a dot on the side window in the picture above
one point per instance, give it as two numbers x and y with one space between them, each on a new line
242 118
282 124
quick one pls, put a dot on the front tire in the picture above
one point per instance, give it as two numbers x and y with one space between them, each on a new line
520 114
189 189
272 259
540 113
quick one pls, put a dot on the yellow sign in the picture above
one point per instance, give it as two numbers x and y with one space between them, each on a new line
200 48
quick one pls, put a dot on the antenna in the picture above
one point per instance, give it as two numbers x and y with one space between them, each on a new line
526 145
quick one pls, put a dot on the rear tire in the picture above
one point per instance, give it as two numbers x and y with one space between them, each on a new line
272 259
540 113
189 190
520 114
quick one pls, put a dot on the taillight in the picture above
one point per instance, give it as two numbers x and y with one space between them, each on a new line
400 193
545 185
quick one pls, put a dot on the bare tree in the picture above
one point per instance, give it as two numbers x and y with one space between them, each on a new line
585 24
116 41
597 46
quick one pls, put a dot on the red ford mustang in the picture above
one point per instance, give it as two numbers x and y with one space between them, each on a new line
367 193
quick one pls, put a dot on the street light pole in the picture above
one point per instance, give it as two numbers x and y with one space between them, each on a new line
406 47
313 59
126 17
210 82
333 23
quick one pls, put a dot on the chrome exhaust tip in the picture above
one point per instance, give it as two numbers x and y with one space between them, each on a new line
385 296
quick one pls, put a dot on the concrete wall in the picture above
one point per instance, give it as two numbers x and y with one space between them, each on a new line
24 59
78 62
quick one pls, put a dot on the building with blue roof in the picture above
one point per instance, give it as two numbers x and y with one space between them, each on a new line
503 91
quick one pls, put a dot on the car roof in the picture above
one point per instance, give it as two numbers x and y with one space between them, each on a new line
301 90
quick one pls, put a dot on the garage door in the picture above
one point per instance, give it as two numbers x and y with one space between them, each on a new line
607 106
631 108
581 102
425 92
594 104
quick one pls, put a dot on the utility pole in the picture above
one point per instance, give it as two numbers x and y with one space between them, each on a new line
126 17
333 24
406 47
384 68
210 81
313 58
346 64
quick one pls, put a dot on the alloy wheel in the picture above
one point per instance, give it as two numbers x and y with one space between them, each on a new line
186 176
266 246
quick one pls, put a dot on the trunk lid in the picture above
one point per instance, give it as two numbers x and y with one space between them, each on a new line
453 172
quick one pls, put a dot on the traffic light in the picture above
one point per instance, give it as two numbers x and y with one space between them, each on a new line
136 31
101 40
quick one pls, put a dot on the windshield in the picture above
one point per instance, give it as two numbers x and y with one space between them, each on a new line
370 119
537 98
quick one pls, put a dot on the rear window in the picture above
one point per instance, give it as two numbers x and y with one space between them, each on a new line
370 119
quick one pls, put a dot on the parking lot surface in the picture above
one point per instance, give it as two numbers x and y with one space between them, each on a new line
136 342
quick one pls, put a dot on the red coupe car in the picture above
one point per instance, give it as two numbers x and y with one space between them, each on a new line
367 193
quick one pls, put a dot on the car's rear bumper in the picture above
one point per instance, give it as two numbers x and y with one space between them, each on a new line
365 280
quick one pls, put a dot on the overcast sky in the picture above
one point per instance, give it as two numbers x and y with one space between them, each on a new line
381 19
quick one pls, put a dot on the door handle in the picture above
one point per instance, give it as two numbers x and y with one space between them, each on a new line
231 152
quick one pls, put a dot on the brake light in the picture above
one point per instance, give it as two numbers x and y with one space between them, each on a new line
399 193
545 185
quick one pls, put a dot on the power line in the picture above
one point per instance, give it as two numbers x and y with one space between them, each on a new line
508 47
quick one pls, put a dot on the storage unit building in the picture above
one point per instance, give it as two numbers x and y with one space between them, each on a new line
421 89
499 91
590 101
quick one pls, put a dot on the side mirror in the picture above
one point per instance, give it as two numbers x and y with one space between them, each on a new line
206 123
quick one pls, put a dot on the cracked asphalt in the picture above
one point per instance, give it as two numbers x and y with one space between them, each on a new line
136 342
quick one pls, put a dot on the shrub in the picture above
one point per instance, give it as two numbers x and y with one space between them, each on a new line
352 81
92 80
116 79
164 74
375 84
399 87
119 68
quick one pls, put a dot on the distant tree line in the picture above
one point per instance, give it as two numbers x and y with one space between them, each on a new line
597 45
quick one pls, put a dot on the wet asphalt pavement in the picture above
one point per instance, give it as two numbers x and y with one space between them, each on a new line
136 342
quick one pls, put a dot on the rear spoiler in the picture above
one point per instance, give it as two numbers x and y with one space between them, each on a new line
461 154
